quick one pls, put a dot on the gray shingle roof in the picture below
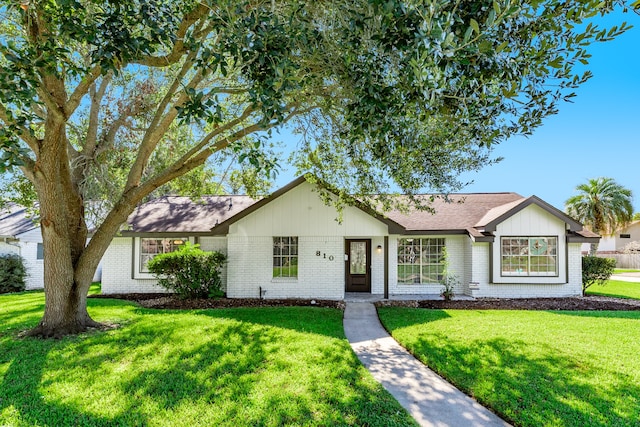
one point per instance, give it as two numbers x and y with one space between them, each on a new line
181 214
459 212
15 221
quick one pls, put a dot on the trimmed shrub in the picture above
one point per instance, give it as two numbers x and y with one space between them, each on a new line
596 270
12 273
190 272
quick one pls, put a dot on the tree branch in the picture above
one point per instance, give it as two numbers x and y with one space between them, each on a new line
91 141
161 123
25 135
178 49
81 90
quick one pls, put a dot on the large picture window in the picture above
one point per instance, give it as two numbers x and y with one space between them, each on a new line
420 260
285 257
150 247
529 256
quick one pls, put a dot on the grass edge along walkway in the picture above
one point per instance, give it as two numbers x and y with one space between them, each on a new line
534 368
250 366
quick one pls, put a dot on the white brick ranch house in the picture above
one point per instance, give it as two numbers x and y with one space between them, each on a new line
289 245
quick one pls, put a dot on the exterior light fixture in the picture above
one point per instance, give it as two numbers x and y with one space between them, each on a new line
379 248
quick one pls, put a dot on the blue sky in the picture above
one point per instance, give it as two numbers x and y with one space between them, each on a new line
596 135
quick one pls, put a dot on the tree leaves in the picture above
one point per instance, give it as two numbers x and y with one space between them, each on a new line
487 69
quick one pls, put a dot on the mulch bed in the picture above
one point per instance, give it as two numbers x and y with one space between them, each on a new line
570 303
165 301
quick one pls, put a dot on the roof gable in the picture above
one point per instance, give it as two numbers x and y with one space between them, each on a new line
495 216
223 228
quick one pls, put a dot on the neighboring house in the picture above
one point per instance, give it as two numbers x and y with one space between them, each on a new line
290 245
20 234
619 239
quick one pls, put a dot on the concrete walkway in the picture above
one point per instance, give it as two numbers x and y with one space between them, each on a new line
430 399
626 277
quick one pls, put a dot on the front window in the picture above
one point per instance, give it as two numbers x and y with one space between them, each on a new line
420 260
150 247
529 256
285 257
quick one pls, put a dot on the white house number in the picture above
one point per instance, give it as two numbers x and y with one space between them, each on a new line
323 255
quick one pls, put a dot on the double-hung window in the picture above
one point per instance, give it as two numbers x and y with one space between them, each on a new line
420 261
285 257
529 256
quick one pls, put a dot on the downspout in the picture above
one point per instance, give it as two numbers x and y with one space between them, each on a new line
386 267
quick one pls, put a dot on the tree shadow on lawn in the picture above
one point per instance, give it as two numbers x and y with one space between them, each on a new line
23 400
229 370
530 391
606 294
605 314
23 307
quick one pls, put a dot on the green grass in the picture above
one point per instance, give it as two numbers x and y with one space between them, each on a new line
616 288
232 367
95 288
534 368
625 270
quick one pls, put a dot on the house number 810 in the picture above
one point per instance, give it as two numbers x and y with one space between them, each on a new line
330 257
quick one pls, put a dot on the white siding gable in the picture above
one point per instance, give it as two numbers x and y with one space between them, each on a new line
300 212
532 221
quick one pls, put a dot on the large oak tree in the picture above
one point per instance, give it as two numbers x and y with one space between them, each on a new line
403 93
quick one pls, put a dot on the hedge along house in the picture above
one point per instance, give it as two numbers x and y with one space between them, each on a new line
290 245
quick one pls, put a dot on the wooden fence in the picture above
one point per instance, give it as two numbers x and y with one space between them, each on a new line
624 260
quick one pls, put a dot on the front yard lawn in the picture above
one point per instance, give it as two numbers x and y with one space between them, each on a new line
534 368
229 367
616 288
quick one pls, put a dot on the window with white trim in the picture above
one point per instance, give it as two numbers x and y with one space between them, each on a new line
420 260
529 256
285 257
150 247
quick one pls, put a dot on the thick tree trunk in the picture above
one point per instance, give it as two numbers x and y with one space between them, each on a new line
64 235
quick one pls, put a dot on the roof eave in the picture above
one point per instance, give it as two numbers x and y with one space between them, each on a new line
129 233
415 232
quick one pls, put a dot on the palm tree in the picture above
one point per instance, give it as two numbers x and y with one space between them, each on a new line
602 205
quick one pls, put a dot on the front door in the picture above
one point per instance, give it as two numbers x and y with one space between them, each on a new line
358 265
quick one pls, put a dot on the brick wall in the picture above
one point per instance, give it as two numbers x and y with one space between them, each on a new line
218 244
116 270
319 276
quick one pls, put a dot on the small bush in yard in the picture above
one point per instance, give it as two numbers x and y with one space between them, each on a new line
596 270
12 273
190 272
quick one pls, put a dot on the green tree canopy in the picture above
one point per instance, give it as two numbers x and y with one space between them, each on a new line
602 205
402 93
